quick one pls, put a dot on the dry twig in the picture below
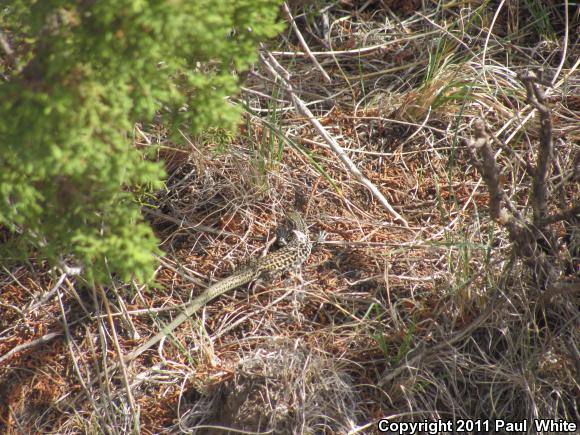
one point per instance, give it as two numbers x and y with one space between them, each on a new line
535 243
537 98
284 77
303 43
38 342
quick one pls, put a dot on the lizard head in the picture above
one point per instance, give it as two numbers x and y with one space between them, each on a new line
300 236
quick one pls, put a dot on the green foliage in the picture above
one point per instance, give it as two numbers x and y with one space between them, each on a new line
542 18
77 75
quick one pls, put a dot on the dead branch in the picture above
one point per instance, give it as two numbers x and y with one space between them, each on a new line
34 343
277 71
482 157
486 165
537 98
566 215
303 43
534 242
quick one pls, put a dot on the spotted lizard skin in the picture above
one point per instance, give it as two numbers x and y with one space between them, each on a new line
287 258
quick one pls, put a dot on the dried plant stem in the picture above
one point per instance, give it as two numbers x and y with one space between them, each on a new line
537 98
536 244
124 375
421 353
284 77
303 43
38 342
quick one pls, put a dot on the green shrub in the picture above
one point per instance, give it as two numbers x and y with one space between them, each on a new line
75 77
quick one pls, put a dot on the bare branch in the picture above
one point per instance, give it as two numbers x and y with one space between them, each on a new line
521 235
537 98
486 165
571 213
284 77
303 43
38 342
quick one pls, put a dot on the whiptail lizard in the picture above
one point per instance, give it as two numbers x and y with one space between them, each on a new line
290 256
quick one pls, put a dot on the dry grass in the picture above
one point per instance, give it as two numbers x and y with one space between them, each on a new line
435 321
